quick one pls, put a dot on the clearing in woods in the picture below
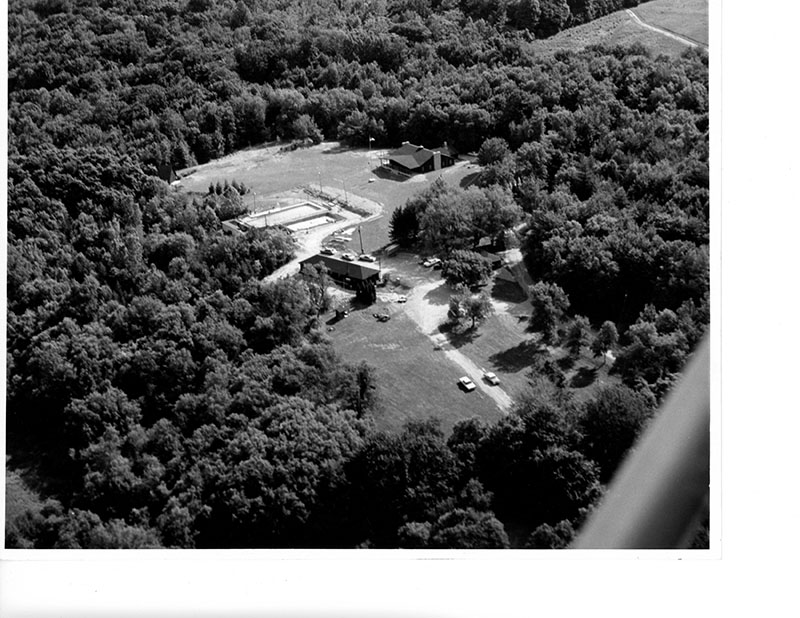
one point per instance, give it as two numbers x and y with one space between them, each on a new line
688 18
352 173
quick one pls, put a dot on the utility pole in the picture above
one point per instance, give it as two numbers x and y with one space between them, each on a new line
346 199
369 147
360 240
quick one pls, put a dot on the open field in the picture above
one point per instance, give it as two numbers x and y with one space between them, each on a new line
620 29
414 380
352 172
688 18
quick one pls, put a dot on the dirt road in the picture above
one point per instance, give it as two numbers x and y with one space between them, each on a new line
672 35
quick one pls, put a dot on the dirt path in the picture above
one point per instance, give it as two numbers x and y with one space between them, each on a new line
672 35
426 307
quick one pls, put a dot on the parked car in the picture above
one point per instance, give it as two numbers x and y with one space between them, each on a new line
348 257
366 258
466 384
431 262
402 299
491 378
327 251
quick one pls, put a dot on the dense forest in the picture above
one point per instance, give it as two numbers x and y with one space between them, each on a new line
161 394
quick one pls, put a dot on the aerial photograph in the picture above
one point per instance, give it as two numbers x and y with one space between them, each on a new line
358 275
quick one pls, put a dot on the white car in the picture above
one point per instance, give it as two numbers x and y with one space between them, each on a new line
348 257
466 384
327 251
366 258
491 378
402 299
431 262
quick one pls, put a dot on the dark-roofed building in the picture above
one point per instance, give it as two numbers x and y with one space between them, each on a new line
412 159
351 275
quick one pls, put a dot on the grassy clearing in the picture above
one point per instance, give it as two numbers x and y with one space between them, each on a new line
503 344
614 29
688 18
414 380
267 171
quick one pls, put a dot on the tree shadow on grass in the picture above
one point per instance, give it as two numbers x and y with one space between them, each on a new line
517 358
508 292
384 174
584 377
469 179
439 295
565 363
339 148
459 335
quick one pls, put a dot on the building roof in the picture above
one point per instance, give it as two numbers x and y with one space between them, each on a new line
412 156
354 270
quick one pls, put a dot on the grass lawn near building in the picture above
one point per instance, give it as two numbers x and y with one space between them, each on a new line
415 381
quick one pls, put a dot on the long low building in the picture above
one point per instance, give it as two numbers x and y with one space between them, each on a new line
351 275
412 159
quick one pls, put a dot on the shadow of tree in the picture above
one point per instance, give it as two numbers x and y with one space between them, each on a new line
469 179
565 363
584 377
440 295
384 174
338 149
459 335
508 292
520 356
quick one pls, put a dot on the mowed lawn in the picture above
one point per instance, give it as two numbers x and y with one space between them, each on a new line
688 18
504 344
267 171
414 380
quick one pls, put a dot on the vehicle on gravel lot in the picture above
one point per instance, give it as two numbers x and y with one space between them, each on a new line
348 257
431 262
381 317
327 251
402 299
366 258
491 378
466 384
